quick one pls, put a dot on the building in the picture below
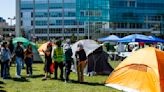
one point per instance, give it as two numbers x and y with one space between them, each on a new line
6 30
47 19
124 16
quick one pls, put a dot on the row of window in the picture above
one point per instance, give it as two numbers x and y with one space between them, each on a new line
59 30
57 22
55 14
26 6
135 25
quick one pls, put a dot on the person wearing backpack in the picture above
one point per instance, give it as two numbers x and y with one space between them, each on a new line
5 60
19 54
58 57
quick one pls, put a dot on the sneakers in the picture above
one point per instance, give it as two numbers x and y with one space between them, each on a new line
68 81
28 75
44 78
17 76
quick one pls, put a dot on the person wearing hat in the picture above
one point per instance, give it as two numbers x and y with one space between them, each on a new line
5 59
81 61
19 54
67 59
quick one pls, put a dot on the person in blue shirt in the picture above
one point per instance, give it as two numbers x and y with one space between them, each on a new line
5 60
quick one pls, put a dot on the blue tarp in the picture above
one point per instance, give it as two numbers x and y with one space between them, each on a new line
140 38
109 38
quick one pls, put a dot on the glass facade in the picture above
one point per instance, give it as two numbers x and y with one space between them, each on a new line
92 10
146 15
48 17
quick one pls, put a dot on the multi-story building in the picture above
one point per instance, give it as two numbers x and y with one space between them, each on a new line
124 16
49 18
5 29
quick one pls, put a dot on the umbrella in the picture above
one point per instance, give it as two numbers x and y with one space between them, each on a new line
109 38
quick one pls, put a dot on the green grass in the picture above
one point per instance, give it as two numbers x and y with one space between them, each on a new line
35 84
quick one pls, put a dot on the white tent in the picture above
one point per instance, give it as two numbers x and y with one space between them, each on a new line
97 58
89 46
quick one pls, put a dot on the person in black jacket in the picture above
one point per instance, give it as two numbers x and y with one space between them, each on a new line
67 59
81 61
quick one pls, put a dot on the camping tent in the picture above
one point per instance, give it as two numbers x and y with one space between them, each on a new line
142 71
97 58
109 38
44 47
26 42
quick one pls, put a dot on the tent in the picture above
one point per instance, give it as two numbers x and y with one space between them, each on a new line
43 47
142 71
109 38
97 58
155 39
140 38
26 42
135 38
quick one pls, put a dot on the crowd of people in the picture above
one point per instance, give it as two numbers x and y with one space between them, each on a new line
56 57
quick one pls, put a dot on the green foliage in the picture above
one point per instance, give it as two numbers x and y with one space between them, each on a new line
73 38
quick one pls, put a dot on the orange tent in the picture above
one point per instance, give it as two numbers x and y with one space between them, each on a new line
44 47
142 71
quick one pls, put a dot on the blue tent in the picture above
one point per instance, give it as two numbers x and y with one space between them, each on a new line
140 38
109 38
155 39
135 38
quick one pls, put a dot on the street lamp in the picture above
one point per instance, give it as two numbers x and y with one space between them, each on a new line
11 19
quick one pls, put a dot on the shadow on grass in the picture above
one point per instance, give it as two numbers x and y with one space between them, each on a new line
22 79
1 87
37 76
1 82
87 83
3 91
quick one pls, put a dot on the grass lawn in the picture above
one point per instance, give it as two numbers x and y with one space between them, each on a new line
35 84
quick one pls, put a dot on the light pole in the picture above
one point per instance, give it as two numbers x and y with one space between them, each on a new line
88 20
11 19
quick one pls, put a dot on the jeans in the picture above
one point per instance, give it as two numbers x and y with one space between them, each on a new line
2 65
28 62
6 69
18 65
23 65
67 69
60 65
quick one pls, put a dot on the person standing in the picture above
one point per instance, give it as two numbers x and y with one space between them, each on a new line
5 59
67 59
19 53
58 57
28 59
48 61
81 61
